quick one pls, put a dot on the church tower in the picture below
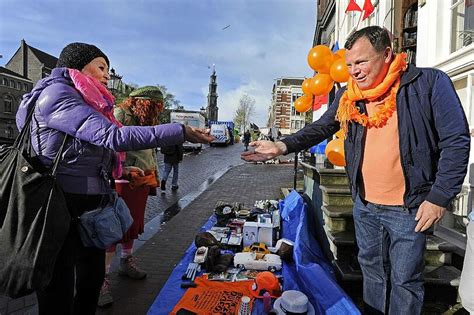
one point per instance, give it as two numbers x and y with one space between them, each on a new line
212 109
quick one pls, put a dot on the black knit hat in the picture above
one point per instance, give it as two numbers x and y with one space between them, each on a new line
78 55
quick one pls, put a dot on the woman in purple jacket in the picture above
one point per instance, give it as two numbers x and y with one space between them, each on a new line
74 100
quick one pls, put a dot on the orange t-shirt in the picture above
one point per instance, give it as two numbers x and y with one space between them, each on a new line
214 297
383 181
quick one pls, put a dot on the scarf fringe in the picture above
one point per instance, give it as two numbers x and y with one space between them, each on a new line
347 110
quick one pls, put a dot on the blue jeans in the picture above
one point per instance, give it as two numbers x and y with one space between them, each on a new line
167 170
391 256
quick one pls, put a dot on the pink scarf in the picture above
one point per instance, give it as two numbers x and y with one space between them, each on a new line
98 97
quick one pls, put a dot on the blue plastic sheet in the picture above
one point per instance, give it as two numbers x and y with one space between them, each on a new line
310 272
319 148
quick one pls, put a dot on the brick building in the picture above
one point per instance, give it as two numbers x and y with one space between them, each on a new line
282 112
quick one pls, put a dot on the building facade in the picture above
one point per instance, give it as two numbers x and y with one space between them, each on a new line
12 88
31 63
26 67
435 34
282 113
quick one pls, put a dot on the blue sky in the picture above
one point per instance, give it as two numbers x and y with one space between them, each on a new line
173 42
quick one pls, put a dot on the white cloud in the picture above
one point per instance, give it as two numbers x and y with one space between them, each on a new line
228 102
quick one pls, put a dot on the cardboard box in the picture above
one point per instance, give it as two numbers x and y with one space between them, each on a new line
250 233
265 233
258 232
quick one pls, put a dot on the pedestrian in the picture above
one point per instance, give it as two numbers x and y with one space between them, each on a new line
246 139
141 108
74 101
173 155
406 151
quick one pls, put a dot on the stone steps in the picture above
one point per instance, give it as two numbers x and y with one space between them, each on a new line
338 218
343 244
439 276
333 177
336 195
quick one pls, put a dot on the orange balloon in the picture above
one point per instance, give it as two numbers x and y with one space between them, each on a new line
320 58
341 53
306 86
335 152
321 84
339 71
303 103
340 134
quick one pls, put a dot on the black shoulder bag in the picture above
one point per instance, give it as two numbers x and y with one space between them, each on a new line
34 219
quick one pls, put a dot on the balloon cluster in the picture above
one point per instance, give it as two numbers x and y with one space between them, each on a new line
330 67
335 150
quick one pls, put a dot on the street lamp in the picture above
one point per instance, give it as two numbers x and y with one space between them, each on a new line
115 81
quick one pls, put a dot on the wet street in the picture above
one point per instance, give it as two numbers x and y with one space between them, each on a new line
196 173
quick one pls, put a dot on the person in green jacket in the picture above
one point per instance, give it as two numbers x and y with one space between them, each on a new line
141 108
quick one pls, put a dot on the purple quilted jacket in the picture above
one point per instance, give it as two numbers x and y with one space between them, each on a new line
89 153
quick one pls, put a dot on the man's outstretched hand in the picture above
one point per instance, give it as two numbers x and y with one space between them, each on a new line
263 150
197 135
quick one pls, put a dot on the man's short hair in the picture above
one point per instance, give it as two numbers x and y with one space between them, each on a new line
377 36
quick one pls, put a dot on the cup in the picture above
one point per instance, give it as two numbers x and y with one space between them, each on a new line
244 308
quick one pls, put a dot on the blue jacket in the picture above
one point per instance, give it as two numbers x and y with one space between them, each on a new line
433 135
89 153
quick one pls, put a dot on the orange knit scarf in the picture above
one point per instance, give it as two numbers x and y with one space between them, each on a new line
384 93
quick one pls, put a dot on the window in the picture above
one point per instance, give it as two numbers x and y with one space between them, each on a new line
5 82
8 102
293 111
9 132
462 24
12 84
25 87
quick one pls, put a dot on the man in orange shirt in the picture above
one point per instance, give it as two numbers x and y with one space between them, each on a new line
406 149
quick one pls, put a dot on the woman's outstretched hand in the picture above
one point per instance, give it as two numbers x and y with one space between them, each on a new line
197 135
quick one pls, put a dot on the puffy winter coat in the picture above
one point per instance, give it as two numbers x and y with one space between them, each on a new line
89 154
433 136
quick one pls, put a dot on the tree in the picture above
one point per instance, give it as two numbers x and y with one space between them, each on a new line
170 102
244 111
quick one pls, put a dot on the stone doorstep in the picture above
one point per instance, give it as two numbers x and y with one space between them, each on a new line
332 171
440 276
338 224
336 189
332 180
337 211
336 200
434 256
338 218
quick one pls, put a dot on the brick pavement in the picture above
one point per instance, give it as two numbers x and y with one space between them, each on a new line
159 255
194 170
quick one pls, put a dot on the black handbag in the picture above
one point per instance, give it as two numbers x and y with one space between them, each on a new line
34 219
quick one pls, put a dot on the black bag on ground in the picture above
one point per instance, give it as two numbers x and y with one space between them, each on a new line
34 219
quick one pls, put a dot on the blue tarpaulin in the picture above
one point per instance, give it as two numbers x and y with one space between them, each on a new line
310 272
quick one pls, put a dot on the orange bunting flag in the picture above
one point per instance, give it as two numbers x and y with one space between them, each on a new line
353 6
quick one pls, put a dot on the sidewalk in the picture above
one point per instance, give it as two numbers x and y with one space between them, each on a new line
160 254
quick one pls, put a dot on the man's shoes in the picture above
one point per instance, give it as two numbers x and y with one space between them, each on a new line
174 187
163 184
105 296
129 268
